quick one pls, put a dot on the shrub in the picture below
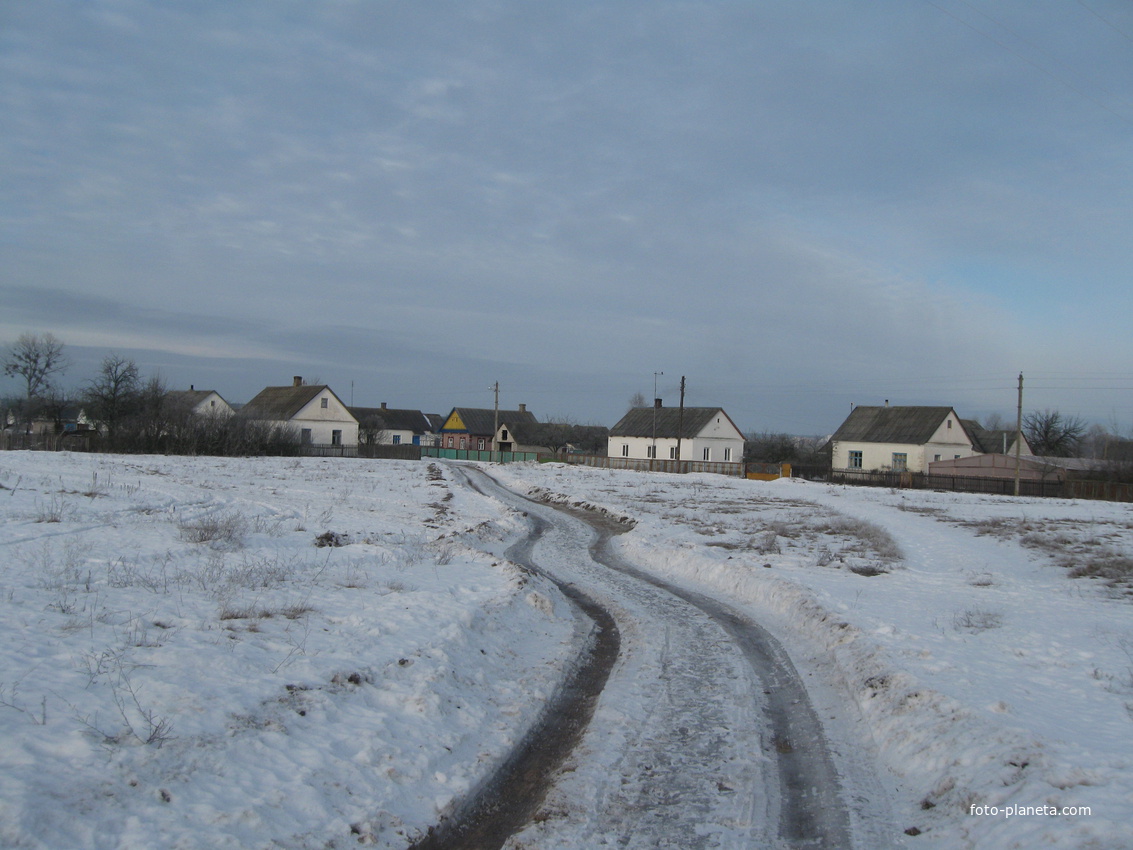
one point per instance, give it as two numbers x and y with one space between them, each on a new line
220 530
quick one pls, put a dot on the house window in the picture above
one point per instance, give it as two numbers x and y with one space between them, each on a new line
707 453
305 436
336 438
900 461
855 460
481 445
936 457
625 449
503 435
727 454
672 452
950 424
450 442
463 443
324 402
651 451
397 439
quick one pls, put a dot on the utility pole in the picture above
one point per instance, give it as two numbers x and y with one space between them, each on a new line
496 417
680 423
1018 431
653 451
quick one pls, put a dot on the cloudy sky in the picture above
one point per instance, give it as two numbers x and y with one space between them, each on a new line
799 205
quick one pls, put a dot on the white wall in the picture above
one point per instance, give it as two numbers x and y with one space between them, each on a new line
323 421
692 449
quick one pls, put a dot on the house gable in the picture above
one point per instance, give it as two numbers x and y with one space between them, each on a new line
324 407
454 422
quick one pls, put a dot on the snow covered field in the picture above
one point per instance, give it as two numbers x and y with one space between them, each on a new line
183 665
984 674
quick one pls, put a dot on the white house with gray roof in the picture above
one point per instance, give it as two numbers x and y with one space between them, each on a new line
198 403
705 434
900 439
318 415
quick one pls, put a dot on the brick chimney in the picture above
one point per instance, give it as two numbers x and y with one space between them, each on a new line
657 403
297 381
523 408
383 405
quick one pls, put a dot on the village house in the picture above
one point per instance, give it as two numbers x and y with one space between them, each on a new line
521 435
196 402
315 412
475 429
50 419
899 439
386 426
996 441
703 433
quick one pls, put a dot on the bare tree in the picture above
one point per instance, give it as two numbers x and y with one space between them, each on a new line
767 447
1052 435
115 393
565 435
637 400
36 359
372 431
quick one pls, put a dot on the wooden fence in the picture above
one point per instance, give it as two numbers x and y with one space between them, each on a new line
658 465
1071 488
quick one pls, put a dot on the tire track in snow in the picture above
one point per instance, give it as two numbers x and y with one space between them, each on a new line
726 700
510 798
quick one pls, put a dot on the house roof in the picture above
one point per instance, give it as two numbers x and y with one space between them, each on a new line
910 425
991 442
478 420
392 419
638 422
189 398
281 403
530 433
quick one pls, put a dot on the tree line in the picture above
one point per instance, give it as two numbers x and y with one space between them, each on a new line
130 412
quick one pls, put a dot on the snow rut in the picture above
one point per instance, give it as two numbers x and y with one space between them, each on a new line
703 736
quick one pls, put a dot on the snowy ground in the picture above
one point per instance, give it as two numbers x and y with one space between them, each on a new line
181 665
985 674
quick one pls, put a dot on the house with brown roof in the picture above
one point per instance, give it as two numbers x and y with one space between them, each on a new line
314 411
703 434
900 439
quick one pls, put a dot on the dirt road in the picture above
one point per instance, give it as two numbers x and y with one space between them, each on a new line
683 725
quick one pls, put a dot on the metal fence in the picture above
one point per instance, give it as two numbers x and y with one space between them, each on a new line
473 454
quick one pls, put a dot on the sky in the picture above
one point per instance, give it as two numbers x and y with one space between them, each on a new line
799 206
